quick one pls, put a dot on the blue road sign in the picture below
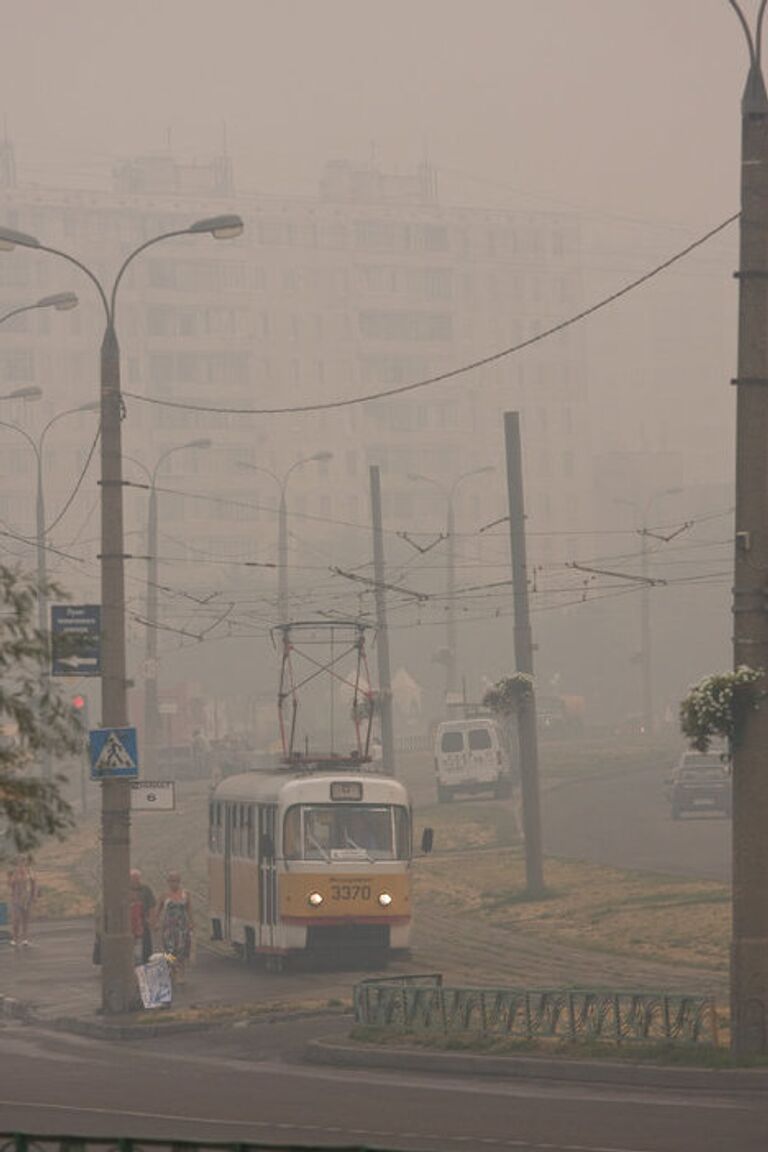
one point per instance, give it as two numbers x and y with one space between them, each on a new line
114 753
75 639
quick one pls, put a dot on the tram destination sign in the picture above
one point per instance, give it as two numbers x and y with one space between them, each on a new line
76 640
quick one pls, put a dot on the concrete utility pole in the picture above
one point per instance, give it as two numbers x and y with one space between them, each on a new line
646 638
151 730
528 738
117 975
382 635
282 522
749 948
37 447
451 654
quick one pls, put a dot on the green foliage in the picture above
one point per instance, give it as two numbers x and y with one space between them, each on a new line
718 705
34 719
506 695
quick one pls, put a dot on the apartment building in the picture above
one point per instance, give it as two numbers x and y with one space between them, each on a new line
371 284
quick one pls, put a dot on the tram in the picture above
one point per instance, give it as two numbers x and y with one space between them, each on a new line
316 856
318 862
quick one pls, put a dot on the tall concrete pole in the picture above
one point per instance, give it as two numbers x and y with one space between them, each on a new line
749 949
117 940
117 977
42 593
528 739
382 634
151 706
645 636
42 573
282 555
151 669
451 666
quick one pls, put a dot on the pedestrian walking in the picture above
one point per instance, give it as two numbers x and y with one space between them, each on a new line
23 890
175 919
142 916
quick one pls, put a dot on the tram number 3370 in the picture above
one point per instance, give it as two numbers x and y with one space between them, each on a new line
350 891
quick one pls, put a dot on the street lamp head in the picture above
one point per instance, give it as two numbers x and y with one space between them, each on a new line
202 443
61 301
322 456
28 392
10 239
220 227
91 406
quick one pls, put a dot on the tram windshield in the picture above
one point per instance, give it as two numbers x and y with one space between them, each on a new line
346 832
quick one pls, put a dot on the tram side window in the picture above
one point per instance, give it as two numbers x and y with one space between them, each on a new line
403 850
292 834
234 831
250 845
238 830
215 828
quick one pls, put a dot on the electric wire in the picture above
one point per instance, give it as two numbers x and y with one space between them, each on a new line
451 373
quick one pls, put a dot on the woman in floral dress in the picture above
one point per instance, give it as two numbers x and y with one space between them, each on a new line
176 923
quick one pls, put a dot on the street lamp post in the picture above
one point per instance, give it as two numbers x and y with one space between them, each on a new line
151 695
60 301
282 523
646 636
40 530
451 665
117 978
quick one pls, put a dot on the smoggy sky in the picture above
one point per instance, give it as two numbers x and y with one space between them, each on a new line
625 106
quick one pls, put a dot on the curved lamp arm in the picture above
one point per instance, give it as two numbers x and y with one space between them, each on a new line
220 227
22 432
202 443
260 468
94 407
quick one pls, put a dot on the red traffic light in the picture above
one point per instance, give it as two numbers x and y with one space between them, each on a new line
78 702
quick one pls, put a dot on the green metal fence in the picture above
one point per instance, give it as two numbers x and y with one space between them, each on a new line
424 1004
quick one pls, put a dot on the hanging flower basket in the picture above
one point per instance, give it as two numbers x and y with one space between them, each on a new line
718 705
506 695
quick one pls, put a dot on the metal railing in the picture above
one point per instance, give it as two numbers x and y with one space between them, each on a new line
424 1004
26 1142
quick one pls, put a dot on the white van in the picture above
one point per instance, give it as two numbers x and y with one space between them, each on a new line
472 756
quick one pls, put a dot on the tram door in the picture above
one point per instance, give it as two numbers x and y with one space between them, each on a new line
229 813
267 873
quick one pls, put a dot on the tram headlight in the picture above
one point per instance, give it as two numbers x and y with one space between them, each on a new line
315 899
385 899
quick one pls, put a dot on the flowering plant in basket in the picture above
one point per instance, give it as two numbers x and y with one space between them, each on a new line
718 705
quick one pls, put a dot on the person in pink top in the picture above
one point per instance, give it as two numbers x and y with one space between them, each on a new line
23 890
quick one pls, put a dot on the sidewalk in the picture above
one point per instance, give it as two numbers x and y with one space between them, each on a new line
55 983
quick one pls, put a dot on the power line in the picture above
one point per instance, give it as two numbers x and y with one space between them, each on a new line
452 373
79 481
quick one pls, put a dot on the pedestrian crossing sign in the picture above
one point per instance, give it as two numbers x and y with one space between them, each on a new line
113 753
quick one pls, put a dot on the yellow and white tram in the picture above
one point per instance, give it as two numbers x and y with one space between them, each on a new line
317 862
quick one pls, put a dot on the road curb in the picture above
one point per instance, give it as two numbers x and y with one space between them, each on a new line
13 1009
100 1029
329 1051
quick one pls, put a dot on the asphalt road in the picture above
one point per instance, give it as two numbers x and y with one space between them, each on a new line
624 821
245 1087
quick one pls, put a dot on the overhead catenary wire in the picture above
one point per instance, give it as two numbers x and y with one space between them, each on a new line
451 373
78 483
